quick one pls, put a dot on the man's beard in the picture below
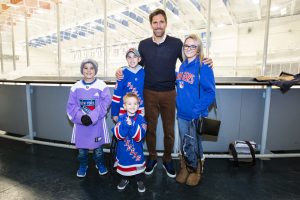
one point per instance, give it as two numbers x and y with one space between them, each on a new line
160 34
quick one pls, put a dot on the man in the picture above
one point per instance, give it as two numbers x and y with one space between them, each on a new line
159 54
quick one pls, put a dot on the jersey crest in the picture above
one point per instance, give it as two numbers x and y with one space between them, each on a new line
87 105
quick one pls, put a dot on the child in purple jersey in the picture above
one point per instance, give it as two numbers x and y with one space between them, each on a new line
87 107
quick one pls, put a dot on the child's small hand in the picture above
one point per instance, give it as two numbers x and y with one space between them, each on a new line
128 120
86 120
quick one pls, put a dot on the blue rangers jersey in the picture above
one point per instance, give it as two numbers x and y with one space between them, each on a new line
133 81
130 157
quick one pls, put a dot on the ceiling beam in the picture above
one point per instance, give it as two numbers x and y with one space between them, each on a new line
258 11
228 11
293 5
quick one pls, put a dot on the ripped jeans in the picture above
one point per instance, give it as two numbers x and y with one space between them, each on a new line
186 127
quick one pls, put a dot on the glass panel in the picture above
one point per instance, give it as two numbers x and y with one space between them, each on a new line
237 37
20 45
81 29
7 52
128 24
237 34
284 40
41 17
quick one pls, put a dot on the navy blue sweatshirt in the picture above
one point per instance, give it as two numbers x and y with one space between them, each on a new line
160 62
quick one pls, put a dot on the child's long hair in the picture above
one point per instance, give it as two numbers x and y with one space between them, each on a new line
199 46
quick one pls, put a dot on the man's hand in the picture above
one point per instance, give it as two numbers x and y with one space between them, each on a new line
115 119
208 61
119 73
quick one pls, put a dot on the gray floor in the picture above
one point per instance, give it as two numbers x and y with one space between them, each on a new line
40 172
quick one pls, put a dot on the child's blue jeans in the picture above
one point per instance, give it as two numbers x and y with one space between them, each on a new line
83 156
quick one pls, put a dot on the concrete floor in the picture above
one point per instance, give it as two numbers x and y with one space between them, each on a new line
40 172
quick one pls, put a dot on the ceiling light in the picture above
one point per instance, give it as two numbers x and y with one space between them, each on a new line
255 1
283 11
274 8
12 5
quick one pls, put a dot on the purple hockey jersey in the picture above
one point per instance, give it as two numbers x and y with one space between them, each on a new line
92 99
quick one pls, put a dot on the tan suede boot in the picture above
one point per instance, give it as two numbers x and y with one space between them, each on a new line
194 177
183 172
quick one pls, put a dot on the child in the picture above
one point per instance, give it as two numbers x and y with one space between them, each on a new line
87 106
130 131
195 86
133 81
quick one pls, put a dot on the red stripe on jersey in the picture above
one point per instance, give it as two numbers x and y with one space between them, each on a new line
137 135
115 98
117 134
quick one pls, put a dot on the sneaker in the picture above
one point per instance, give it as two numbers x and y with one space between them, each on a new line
168 166
150 165
122 185
141 186
82 171
101 169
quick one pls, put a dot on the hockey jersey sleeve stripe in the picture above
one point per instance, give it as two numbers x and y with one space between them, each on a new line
122 112
116 98
137 136
117 134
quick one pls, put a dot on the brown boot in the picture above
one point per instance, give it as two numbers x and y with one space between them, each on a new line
194 177
183 172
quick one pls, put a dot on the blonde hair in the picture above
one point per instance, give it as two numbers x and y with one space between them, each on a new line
130 94
199 46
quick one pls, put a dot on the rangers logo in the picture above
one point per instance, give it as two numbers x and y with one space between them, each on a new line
87 105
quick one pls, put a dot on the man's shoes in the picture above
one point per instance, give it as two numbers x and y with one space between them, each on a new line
150 165
82 171
101 169
168 166
141 186
122 185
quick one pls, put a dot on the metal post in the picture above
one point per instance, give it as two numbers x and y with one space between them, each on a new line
1 54
236 50
105 37
58 38
13 44
265 53
266 120
26 39
29 111
269 88
208 28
